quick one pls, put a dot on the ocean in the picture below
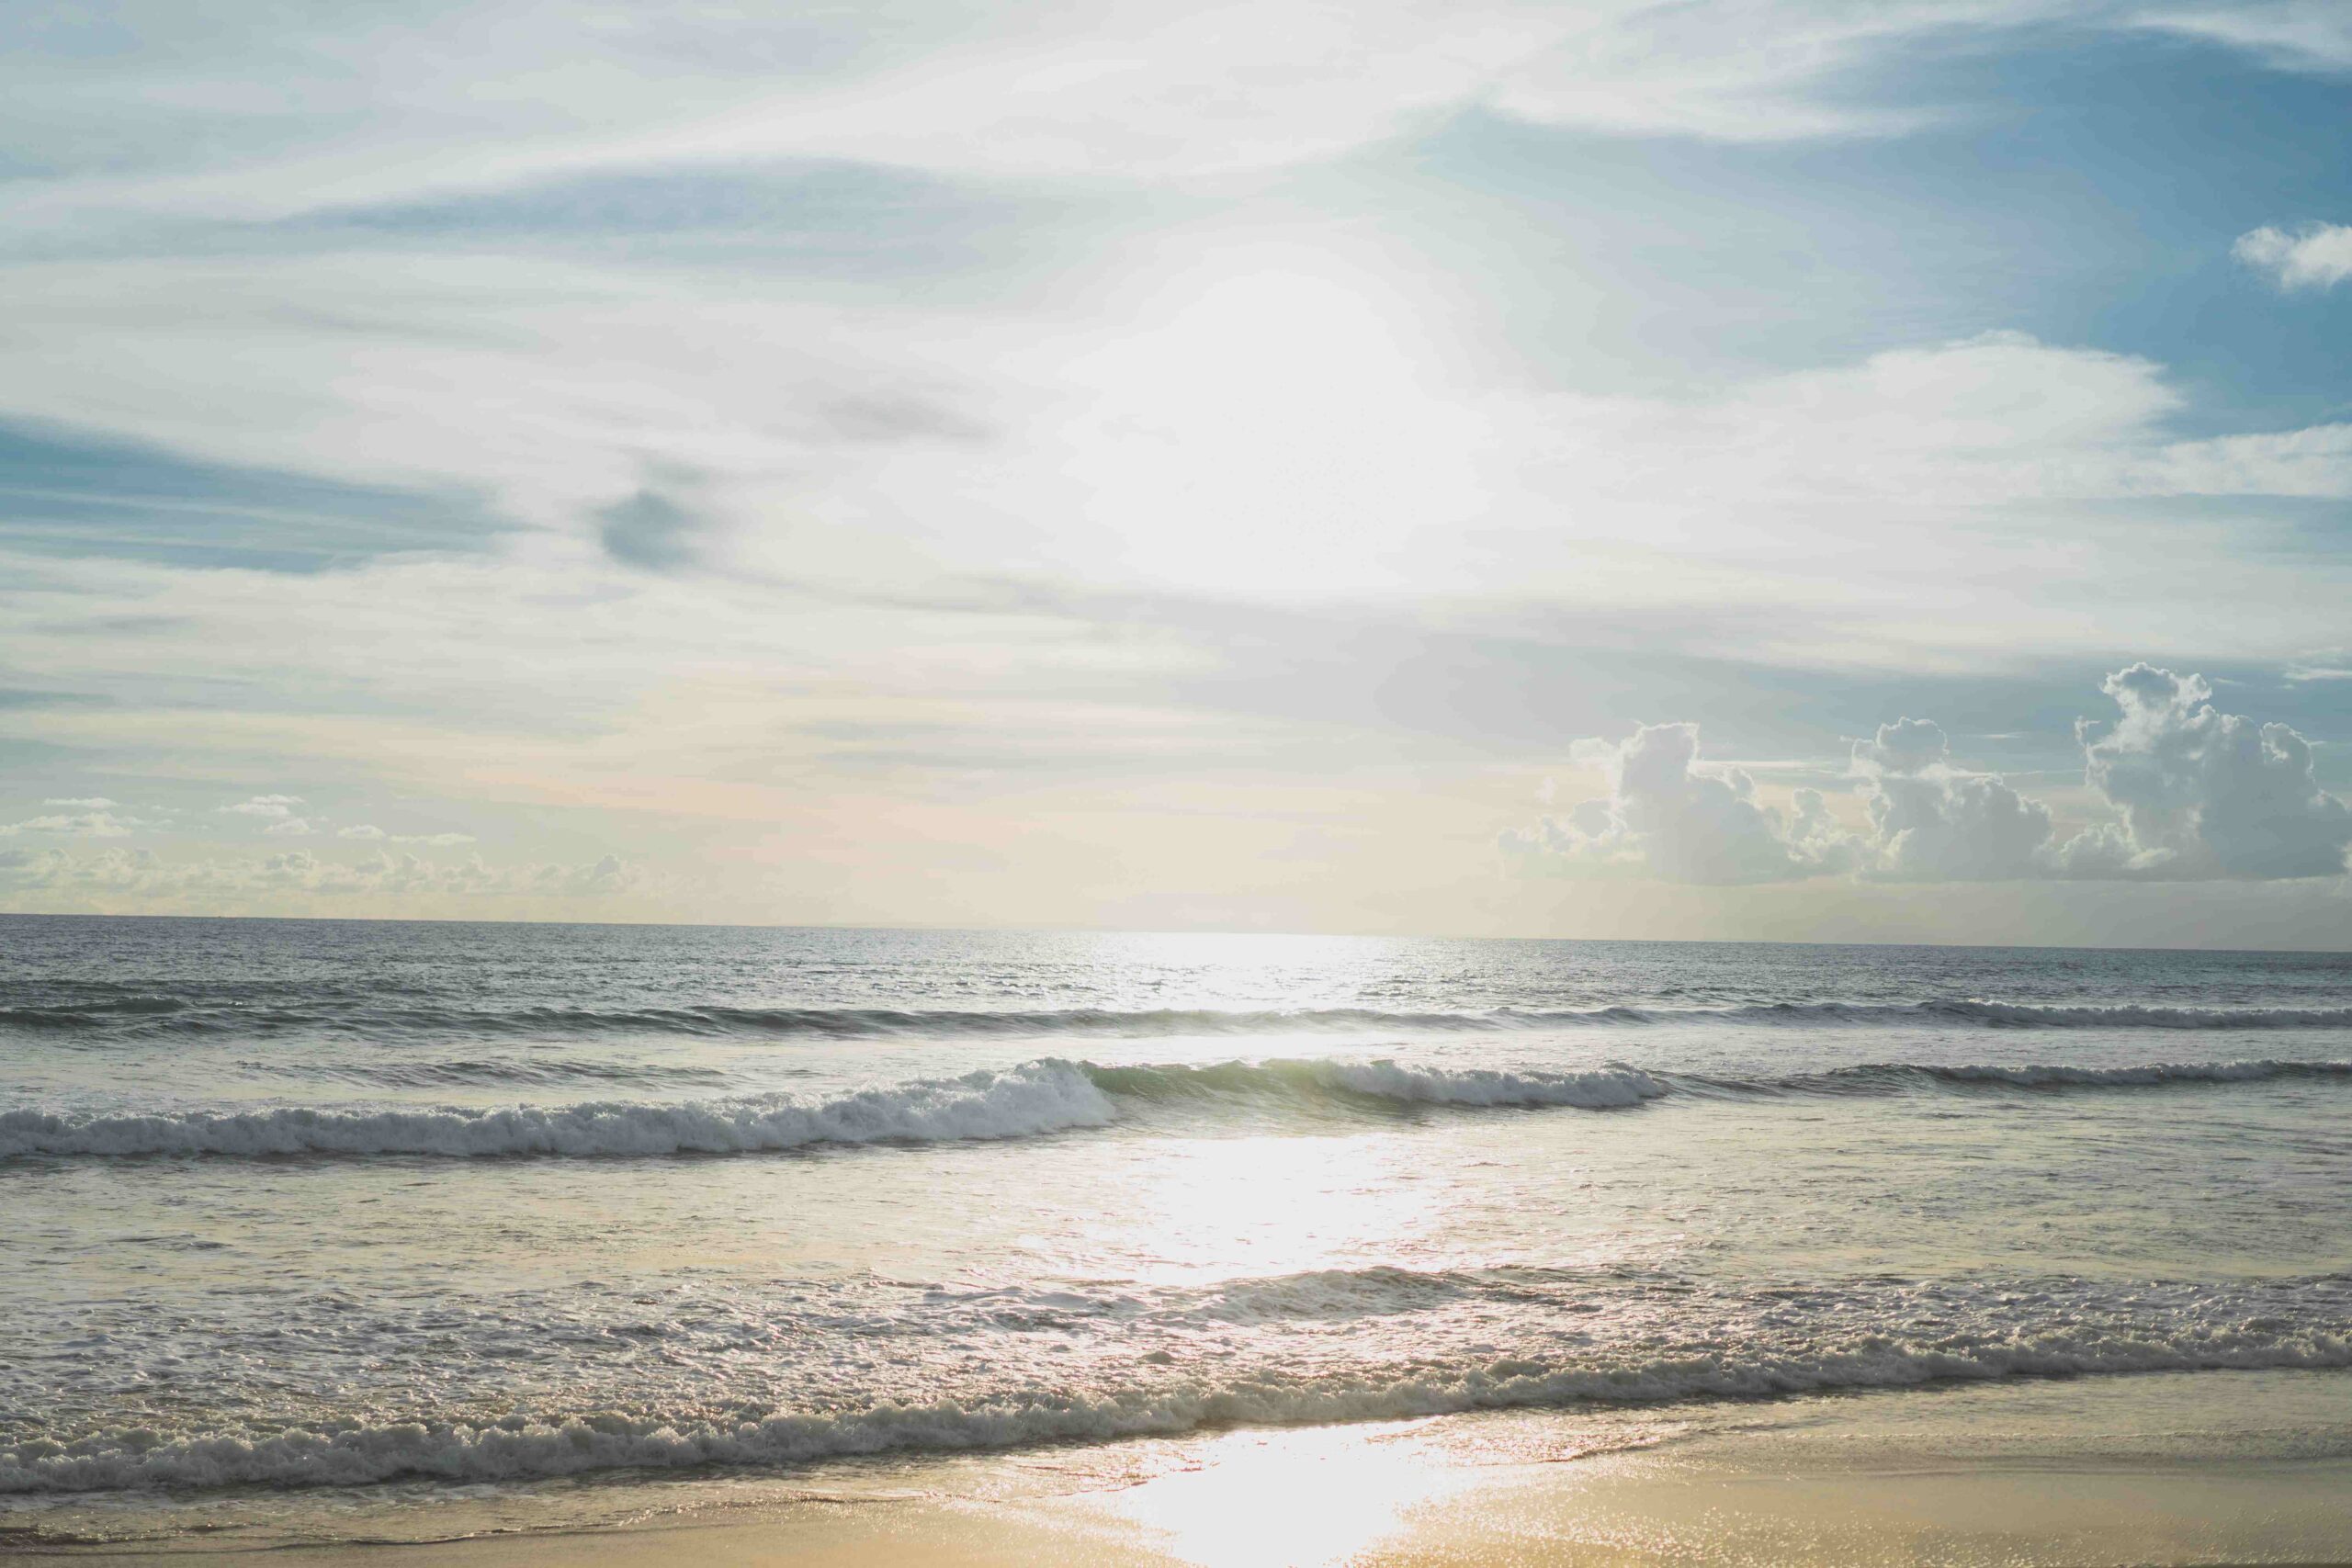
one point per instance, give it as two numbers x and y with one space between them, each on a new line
312 1224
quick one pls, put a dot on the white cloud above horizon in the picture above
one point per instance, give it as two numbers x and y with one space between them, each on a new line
2196 794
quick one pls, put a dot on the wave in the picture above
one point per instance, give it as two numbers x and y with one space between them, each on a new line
1607 1089
1039 1097
2147 1074
537 1071
2067 1342
151 1016
1043 1097
1984 1015
1898 1078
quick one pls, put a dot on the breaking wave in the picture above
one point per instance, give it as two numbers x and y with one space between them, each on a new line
1838 1343
1038 1098
1045 1096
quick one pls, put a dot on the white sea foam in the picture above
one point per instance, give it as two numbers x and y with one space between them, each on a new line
530 1447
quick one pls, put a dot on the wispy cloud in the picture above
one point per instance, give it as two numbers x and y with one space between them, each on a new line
1096 90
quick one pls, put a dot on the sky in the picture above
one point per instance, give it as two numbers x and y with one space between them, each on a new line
1787 469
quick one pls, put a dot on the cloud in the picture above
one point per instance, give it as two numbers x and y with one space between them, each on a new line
367 832
1931 822
88 803
1667 817
83 824
277 807
2197 795
649 530
2296 35
1096 88
2332 665
30 864
653 429
150 878
2200 794
2317 256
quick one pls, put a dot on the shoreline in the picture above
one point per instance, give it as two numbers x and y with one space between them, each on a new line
2168 1471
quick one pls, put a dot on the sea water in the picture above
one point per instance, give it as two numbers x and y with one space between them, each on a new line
290 1209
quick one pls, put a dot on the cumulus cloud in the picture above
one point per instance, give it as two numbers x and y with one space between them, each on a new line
2198 795
1667 817
86 802
1933 822
2201 793
2317 256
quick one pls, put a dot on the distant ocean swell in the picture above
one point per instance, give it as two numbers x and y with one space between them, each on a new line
1039 1097
1869 1354
152 1017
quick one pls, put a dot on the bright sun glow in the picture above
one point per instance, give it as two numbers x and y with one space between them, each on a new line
1289 1499
1275 420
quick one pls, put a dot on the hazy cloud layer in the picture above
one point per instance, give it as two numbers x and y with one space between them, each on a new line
93 824
133 878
